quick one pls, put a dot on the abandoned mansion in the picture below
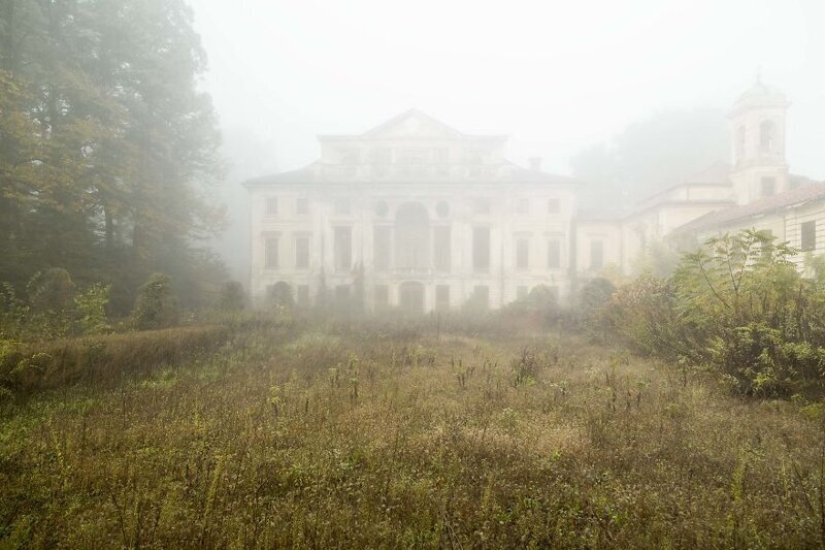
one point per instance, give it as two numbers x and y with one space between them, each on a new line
416 215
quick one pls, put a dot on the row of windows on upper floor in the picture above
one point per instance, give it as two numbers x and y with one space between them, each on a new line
343 207
411 252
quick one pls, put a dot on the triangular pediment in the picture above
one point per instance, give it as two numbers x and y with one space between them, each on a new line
413 124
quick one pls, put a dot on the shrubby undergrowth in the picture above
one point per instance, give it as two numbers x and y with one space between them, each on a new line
738 305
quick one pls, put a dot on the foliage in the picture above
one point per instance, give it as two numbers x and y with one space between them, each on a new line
51 291
643 314
52 307
739 305
90 310
279 296
477 303
156 306
375 436
658 258
594 294
101 360
106 144
650 155
232 296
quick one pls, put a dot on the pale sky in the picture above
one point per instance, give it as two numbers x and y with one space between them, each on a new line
554 76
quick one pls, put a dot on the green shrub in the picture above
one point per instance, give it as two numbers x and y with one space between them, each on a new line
738 305
232 297
594 295
279 296
156 306
643 313
90 310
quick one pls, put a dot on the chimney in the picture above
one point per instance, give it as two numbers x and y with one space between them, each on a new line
535 164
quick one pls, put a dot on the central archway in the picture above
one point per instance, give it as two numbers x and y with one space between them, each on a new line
412 237
411 297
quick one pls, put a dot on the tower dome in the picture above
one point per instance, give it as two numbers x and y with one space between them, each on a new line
758 96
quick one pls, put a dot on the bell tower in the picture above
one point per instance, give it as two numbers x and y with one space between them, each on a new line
757 121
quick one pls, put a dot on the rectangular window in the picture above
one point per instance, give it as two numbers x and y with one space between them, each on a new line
554 254
303 295
381 297
522 253
481 206
343 248
553 206
596 254
523 206
442 297
768 187
381 158
442 248
302 206
808 239
341 207
441 159
302 252
481 248
271 252
381 247
521 293
271 207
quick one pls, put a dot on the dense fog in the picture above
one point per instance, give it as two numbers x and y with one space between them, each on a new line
563 80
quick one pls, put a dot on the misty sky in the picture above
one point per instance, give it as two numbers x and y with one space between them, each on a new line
555 76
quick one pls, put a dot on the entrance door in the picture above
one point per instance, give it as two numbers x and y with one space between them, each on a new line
411 297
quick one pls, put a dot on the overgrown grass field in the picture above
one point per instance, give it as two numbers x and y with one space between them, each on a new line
366 437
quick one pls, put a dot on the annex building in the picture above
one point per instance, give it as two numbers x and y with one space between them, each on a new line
416 215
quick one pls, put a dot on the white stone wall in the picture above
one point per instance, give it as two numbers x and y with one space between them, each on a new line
505 220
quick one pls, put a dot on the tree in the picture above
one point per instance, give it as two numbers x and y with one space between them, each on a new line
649 156
156 306
106 144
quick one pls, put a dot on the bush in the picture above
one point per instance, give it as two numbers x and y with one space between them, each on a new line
643 314
156 306
738 305
52 308
232 297
279 296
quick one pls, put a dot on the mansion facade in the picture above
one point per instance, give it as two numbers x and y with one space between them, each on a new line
418 216
415 215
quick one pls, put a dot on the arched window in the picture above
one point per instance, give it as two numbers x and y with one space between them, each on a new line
767 136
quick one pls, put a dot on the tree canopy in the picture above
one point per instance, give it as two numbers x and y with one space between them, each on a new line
649 156
107 146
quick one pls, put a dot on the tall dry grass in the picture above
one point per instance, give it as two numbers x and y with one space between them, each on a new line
393 437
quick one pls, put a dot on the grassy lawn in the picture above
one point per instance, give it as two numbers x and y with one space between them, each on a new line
388 438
